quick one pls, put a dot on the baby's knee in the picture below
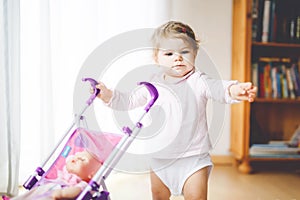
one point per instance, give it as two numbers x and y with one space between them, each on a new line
195 196
160 193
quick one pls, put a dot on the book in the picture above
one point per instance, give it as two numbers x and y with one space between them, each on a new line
261 84
293 142
257 15
266 21
297 34
255 11
274 83
284 84
290 84
276 77
282 21
295 139
293 15
279 149
292 29
276 156
295 79
267 81
272 22
255 75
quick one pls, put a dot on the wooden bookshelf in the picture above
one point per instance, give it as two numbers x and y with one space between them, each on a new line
274 44
267 118
276 101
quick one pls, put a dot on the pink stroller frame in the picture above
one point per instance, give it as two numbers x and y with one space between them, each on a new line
115 145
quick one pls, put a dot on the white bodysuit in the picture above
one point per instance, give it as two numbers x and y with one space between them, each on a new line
183 129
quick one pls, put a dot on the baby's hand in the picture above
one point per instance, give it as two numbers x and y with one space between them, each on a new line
105 94
243 91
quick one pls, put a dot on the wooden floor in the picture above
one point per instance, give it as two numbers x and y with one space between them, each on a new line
228 184
225 183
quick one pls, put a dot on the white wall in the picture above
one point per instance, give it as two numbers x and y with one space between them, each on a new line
211 20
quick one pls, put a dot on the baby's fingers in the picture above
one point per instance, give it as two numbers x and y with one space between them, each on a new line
92 90
252 93
101 86
246 86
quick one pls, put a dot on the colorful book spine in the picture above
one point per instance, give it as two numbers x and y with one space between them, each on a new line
255 75
272 22
296 79
284 84
261 87
266 21
267 81
274 73
257 16
290 84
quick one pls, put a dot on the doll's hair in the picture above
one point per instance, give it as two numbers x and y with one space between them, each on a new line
174 29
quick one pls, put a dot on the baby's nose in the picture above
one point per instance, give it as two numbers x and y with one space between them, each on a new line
178 56
70 158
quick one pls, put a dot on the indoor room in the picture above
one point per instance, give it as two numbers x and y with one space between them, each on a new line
68 68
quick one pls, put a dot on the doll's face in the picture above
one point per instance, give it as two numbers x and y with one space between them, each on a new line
83 164
176 57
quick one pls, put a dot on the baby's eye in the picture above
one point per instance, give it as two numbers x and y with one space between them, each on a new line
83 160
168 54
185 52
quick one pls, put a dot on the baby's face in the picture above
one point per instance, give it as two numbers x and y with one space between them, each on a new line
176 57
83 164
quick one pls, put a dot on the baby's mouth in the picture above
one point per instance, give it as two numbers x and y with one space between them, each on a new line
178 66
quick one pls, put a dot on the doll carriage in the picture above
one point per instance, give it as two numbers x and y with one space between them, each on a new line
107 147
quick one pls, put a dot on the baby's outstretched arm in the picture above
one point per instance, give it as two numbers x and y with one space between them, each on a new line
243 91
66 193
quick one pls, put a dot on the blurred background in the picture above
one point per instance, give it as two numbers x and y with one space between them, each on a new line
45 43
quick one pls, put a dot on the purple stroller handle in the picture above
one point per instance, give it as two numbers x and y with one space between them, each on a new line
93 83
149 86
153 92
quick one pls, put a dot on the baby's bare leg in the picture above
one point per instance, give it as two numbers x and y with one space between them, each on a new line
159 190
195 187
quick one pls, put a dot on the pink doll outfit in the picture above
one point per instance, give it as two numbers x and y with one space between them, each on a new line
67 179
44 190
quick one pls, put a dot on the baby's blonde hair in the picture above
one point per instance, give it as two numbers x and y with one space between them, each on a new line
174 29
